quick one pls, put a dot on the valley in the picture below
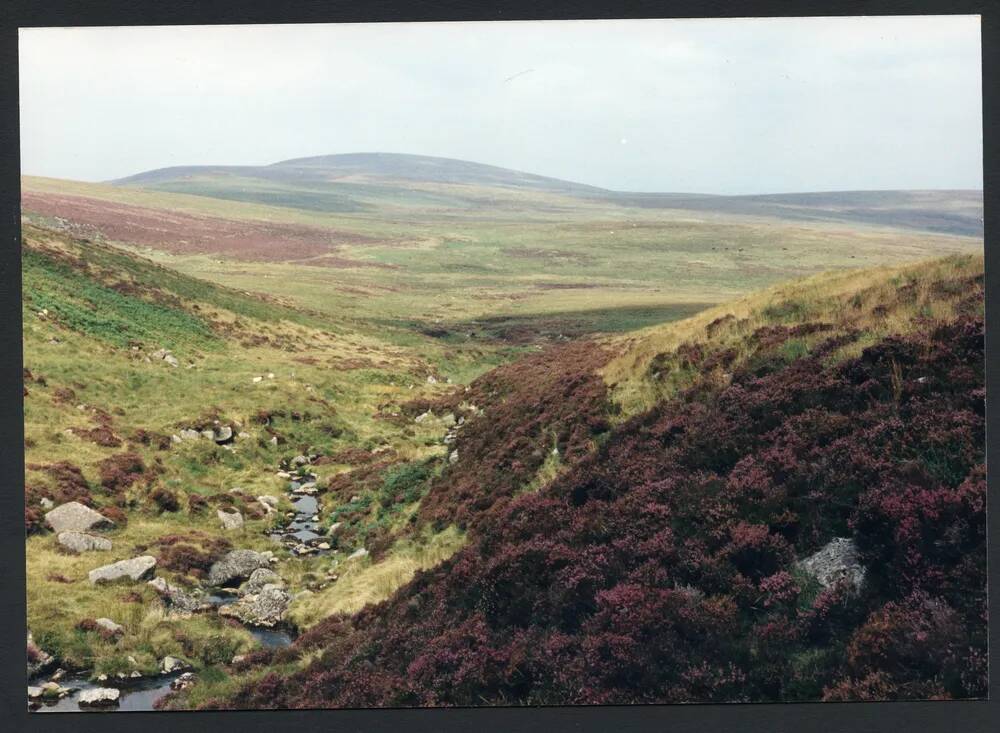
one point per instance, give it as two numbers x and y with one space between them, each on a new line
397 430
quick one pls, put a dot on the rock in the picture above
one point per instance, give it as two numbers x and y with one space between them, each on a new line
323 546
38 659
224 435
453 458
75 517
171 360
273 440
836 562
268 500
82 542
257 380
159 354
238 658
54 691
265 608
334 528
57 675
259 578
136 568
431 380
47 503
175 439
237 565
169 665
183 682
423 416
208 434
109 625
190 434
448 420
35 693
270 375
99 697
178 599
299 461
230 520
358 554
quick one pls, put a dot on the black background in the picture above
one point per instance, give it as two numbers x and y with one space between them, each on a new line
901 717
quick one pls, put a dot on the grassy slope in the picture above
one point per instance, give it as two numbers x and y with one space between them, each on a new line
91 315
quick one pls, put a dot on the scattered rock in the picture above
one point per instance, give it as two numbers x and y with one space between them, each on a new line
47 503
431 380
224 435
265 608
82 542
75 517
35 693
238 658
230 520
136 568
448 420
109 625
323 546
99 697
836 562
259 578
334 528
423 416
257 380
183 682
190 434
171 360
169 665
237 565
453 458
268 500
177 598
358 554
299 461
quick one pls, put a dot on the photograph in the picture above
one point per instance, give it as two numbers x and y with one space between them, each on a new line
515 363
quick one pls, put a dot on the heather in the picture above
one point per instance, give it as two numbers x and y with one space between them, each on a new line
660 566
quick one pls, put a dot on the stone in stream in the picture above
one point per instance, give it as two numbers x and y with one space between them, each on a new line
258 579
265 608
136 568
75 517
177 598
82 542
99 697
183 682
230 520
110 626
169 665
238 565
35 693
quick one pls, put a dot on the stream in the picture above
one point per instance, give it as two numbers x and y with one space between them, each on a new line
299 535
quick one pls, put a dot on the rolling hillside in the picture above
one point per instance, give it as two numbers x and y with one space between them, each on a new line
665 552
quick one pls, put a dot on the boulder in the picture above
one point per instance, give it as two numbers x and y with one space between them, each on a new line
109 625
75 517
82 542
178 599
136 568
259 578
230 520
237 565
183 682
169 665
836 562
99 697
265 608
224 435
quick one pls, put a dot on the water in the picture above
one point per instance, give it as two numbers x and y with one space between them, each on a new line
302 530
135 696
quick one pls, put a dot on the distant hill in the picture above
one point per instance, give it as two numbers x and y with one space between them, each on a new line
368 182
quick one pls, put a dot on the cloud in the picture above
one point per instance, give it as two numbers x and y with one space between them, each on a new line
726 106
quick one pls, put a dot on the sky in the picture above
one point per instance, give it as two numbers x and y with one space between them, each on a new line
726 106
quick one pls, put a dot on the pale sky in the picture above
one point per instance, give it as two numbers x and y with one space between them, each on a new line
712 106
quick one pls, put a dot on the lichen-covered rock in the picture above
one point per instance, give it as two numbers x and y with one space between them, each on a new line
82 542
264 608
835 562
237 565
230 520
170 665
136 568
99 697
177 599
110 626
259 578
75 517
